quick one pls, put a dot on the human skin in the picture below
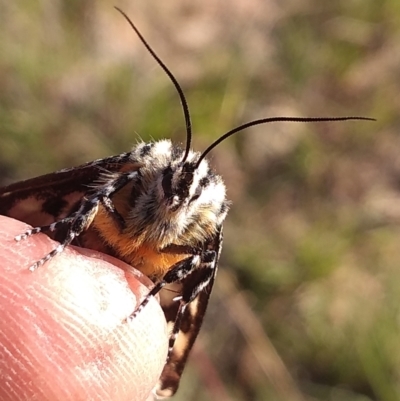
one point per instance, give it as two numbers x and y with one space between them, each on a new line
63 334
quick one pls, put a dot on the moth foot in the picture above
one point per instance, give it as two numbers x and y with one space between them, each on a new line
28 233
36 230
46 258
136 312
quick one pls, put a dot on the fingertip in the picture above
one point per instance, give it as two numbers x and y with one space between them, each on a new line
63 330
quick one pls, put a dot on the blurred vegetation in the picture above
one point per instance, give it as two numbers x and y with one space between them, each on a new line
307 303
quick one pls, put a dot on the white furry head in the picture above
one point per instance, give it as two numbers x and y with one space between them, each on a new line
175 201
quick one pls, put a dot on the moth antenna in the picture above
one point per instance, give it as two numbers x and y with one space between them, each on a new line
272 120
178 88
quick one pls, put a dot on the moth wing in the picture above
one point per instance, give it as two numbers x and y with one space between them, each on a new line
189 329
45 199
191 324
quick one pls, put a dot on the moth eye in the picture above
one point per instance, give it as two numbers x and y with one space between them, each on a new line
197 194
167 182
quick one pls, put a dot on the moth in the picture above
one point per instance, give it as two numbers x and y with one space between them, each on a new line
158 207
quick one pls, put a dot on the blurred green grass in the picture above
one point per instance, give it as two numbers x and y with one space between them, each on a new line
311 243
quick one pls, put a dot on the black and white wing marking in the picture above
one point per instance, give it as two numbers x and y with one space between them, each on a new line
48 198
186 327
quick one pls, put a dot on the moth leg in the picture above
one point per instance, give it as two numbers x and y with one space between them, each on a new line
178 272
201 279
202 267
181 249
104 195
109 206
77 223
51 227
81 219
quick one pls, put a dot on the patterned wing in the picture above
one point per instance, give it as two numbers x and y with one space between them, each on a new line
190 325
43 200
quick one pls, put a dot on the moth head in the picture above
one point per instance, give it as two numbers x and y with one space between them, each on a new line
175 199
